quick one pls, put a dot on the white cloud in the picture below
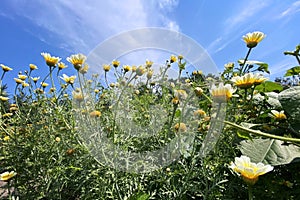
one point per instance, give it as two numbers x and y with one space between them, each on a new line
280 68
292 9
81 25
168 5
246 13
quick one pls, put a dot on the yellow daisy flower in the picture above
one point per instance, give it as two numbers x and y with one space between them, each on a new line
106 68
78 96
248 170
33 67
35 79
229 65
7 175
25 84
77 60
22 77
18 81
173 59
2 98
180 94
115 63
68 79
149 63
248 80
277 115
5 68
95 114
140 71
44 84
51 61
252 39
180 127
222 93
61 65
149 74
84 69
126 68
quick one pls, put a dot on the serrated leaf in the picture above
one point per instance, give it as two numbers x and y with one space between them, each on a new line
269 151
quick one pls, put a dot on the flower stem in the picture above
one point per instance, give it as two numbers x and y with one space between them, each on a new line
260 133
243 70
250 192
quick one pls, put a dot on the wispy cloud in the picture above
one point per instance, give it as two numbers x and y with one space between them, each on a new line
279 68
292 9
80 25
246 13
236 25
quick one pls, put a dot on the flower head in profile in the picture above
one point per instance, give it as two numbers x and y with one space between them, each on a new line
106 67
222 93
149 74
248 170
18 81
7 175
149 63
44 84
84 69
33 67
140 71
77 60
126 68
68 79
173 59
115 63
78 96
22 77
252 39
180 127
229 65
5 68
61 65
3 98
35 79
51 61
277 115
181 95
95 113
248 80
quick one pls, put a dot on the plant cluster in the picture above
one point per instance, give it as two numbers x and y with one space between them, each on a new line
83 137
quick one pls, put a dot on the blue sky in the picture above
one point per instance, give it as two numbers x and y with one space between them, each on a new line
64 27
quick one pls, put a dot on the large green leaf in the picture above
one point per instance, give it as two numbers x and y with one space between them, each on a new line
293 71
269 86
269 151
272 99
290 101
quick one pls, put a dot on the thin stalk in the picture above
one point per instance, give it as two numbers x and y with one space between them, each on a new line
260 133
250 192
298 59
242 70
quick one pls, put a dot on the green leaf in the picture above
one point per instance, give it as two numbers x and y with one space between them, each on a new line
263 67
140 196
290 101
269 86
293 71
269 151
